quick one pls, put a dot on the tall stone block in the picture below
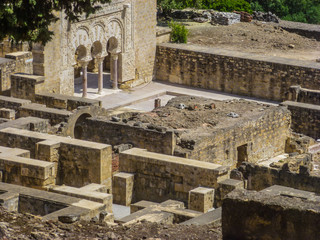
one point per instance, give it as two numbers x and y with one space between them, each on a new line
123 188
201 199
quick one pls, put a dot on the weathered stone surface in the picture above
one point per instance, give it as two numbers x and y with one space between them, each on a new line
252 215
225 18
201 199
13 63
122 188
79 162
260 177
160 177
305 118
234 72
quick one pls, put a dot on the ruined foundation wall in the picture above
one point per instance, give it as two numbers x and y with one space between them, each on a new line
79 162
264 138
260 177
9 46
14 63
234 72
251 215
305 118
159 177
104 131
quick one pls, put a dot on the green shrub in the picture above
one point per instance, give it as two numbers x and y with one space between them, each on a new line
179 33
228 5
220 5
168 5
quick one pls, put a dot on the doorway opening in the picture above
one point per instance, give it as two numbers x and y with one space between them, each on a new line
242 153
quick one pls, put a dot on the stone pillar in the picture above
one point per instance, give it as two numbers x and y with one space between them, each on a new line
84 66
100 74
115 71
201 199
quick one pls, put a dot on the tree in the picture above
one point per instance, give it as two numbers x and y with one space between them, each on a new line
29 20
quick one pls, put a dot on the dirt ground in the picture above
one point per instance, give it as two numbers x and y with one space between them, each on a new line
254 37
201 114
26 226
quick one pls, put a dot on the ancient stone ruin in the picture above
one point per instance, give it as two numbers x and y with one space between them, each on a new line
248 168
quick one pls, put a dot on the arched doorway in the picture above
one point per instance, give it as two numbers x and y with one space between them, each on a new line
80 125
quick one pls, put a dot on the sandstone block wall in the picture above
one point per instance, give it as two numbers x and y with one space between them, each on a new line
260 177
261 138
252 215
9 46
105 131
305 118
13 63
304 95
161 177
17 167
26 86
80 162
233 72
64 101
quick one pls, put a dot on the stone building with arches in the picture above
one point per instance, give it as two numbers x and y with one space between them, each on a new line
122 33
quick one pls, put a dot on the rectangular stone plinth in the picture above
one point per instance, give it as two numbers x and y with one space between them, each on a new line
7 113
123 188
226 187
201 199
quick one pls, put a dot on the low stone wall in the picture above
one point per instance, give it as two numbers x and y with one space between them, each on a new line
305 118
234 72
8 46
304 95
78 162
60 101
13 103
116 133
17 167
25 86
13 63
161 177
252 215
259 138
260 177
55 116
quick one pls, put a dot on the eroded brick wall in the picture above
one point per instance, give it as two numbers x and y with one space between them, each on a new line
263 138
104 131
234 72
161 177
305 118
14 63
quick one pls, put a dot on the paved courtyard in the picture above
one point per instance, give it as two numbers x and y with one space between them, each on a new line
142 97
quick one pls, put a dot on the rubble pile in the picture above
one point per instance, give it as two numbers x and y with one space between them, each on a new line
244 16
225 18
265 17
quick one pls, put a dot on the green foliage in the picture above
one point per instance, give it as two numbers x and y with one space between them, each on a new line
168 5
179 33
29 20
228 5
293 10
220 5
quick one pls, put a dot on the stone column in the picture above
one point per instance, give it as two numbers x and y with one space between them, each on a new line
84 66
115 71
100 74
